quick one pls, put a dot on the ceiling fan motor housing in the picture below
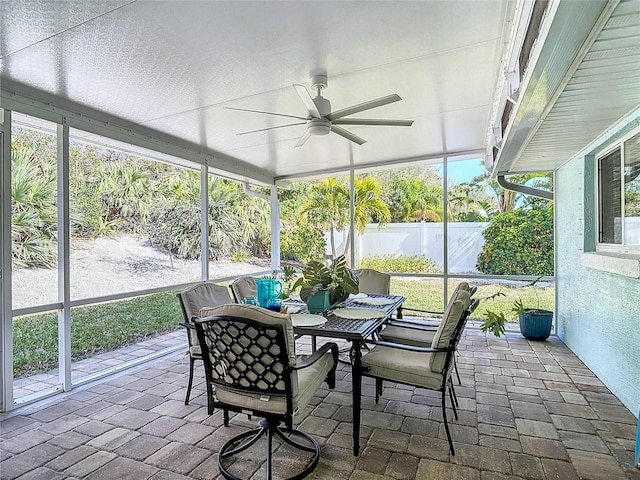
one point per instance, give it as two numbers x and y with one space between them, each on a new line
318 126
323 105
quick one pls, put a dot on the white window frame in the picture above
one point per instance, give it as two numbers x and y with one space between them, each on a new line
621 248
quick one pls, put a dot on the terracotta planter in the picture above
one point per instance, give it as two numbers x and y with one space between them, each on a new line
536 325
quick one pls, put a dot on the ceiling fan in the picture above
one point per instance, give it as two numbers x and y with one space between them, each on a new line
321 120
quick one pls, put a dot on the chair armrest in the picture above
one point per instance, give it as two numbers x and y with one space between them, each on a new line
411 325
317 355
432 312
410 348
188 325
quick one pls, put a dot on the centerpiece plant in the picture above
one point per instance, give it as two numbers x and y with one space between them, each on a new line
339 280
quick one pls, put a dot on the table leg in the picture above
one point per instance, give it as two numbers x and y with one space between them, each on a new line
356 378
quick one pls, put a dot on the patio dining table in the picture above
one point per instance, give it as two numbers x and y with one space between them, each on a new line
356 331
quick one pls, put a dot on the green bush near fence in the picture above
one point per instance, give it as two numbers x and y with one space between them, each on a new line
94 329
400 264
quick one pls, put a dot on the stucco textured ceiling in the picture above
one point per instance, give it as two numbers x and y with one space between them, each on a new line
173 67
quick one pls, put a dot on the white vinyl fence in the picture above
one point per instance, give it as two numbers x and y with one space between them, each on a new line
465 241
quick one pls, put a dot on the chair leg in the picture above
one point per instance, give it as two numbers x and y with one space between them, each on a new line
378 389
455 367
446 424
191 362
454 401
268 428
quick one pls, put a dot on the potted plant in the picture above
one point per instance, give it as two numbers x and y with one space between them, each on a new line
322 287
535 323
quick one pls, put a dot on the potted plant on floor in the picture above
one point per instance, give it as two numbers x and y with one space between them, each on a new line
322 287
535 323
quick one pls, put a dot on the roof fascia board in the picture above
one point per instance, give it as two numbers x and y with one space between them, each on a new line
98 123
558 32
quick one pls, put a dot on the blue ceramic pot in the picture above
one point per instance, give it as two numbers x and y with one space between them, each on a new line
536 325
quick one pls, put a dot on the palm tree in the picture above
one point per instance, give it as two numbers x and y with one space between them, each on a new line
367 205
329 202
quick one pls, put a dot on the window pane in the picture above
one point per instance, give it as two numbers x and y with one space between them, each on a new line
411 239
632 191
610 201
470 207
34 213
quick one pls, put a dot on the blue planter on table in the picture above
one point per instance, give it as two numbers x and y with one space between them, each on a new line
319 301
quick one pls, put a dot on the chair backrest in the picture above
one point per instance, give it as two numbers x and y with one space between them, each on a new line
244 287
248 349
373 281
450 326
194 298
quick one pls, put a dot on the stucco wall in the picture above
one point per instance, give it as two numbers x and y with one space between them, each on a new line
598 313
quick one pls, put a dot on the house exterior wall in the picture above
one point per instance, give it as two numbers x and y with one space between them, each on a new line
598 313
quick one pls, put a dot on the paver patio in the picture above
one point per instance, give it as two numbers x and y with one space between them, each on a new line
528 410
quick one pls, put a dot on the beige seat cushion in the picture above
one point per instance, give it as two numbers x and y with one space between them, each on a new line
195 297
402 366
408 336
453 314
374 282
309 379
244 287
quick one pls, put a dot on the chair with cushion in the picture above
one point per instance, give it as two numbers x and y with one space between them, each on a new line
373 281
424 367
251 367
243 287
192 299
419 334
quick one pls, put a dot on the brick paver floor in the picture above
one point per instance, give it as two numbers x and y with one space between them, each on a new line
528 410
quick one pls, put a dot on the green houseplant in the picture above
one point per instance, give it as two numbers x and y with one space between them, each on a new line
535 323
323 286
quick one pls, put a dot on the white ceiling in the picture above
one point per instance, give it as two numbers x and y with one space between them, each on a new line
159 74
172 67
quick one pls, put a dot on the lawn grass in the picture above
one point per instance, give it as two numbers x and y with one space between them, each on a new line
94 329
104 327
423 293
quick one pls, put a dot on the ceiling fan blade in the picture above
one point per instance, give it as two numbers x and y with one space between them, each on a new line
364 121
303 139
378 102
266 113
303 93
271 128
348 135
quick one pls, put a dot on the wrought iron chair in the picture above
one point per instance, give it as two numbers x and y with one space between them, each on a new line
192 299
243 287
425 367
251 367
373 281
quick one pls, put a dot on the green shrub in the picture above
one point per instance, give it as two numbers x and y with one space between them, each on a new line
33 209
519 242
302 243
239 256
400 264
